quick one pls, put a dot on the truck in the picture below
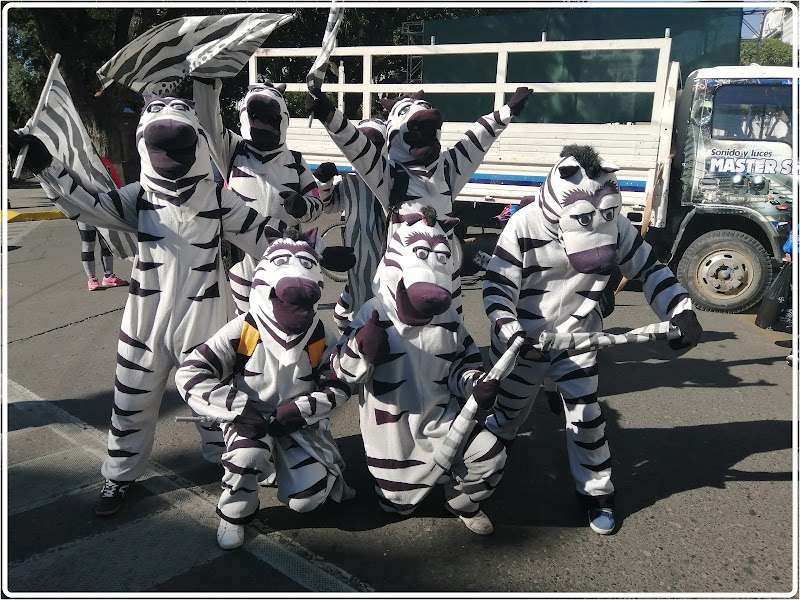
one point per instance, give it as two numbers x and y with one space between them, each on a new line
708 178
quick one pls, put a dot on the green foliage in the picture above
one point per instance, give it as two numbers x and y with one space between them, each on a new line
772 52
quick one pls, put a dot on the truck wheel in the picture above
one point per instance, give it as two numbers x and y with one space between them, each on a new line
725 271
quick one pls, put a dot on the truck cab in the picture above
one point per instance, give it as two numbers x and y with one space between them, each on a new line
730 196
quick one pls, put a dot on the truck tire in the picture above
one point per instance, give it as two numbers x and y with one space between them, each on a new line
725 271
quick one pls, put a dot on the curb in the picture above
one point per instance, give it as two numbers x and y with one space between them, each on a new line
12 216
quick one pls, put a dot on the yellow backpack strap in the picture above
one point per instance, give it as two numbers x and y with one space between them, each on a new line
247 345
316 345
249 339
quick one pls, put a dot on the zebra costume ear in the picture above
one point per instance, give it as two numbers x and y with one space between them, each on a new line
569 167
412 218
149 97
281 87
608 166
310 236
420 95
388 103
449 223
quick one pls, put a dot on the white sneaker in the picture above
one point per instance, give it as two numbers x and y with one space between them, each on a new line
269 481
478 523
229 535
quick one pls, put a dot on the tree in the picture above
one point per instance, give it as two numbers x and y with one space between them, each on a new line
86 38
771 52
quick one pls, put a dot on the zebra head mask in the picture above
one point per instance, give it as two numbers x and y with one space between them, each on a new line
414 279
414 129
263 116
287 283
580 203
172 147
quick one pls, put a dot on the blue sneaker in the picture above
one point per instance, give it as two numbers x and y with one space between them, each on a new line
601 520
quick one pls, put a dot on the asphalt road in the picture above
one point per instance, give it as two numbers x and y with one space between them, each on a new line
701 445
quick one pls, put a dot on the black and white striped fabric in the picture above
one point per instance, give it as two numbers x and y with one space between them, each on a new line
317 73
547 274
63 133
409 401
213 46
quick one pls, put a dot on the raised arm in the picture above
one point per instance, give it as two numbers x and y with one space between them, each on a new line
369 161
116 209
221 141
468 153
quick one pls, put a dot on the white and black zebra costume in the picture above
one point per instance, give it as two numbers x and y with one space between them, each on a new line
178 291
257 164
547 273
412 171
285 374
364 229
89 237
408 403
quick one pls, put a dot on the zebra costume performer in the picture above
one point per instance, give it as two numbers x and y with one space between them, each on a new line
364 225
266 375
547 273
412 170
257 164
179 294
409 348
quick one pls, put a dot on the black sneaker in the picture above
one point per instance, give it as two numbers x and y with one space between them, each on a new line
111 498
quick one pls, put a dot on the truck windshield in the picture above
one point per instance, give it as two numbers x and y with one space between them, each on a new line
752 112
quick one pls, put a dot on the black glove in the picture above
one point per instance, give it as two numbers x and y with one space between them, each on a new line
338 258
373 341
690 330
251 423
319 105
518 100
285 420
295 205
38 157
325 172
485 391
527 350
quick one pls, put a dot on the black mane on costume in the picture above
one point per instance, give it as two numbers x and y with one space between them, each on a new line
586 156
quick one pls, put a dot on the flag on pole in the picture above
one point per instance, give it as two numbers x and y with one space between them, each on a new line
213 46
62 132
317 73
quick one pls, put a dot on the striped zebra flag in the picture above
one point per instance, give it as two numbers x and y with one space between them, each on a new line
316 75
213 46
60 128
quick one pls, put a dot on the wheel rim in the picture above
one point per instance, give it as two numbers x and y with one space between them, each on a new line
725 273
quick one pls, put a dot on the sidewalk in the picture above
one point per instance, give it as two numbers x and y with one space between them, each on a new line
26 201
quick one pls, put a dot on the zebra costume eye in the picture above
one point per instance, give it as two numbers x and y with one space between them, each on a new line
585 219
442 257
308 264
608 213
279 261
421 253
155 107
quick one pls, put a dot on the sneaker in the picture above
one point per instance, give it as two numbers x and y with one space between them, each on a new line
229 535
112 280
269 481
478 523
93 284
111 497
601 520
